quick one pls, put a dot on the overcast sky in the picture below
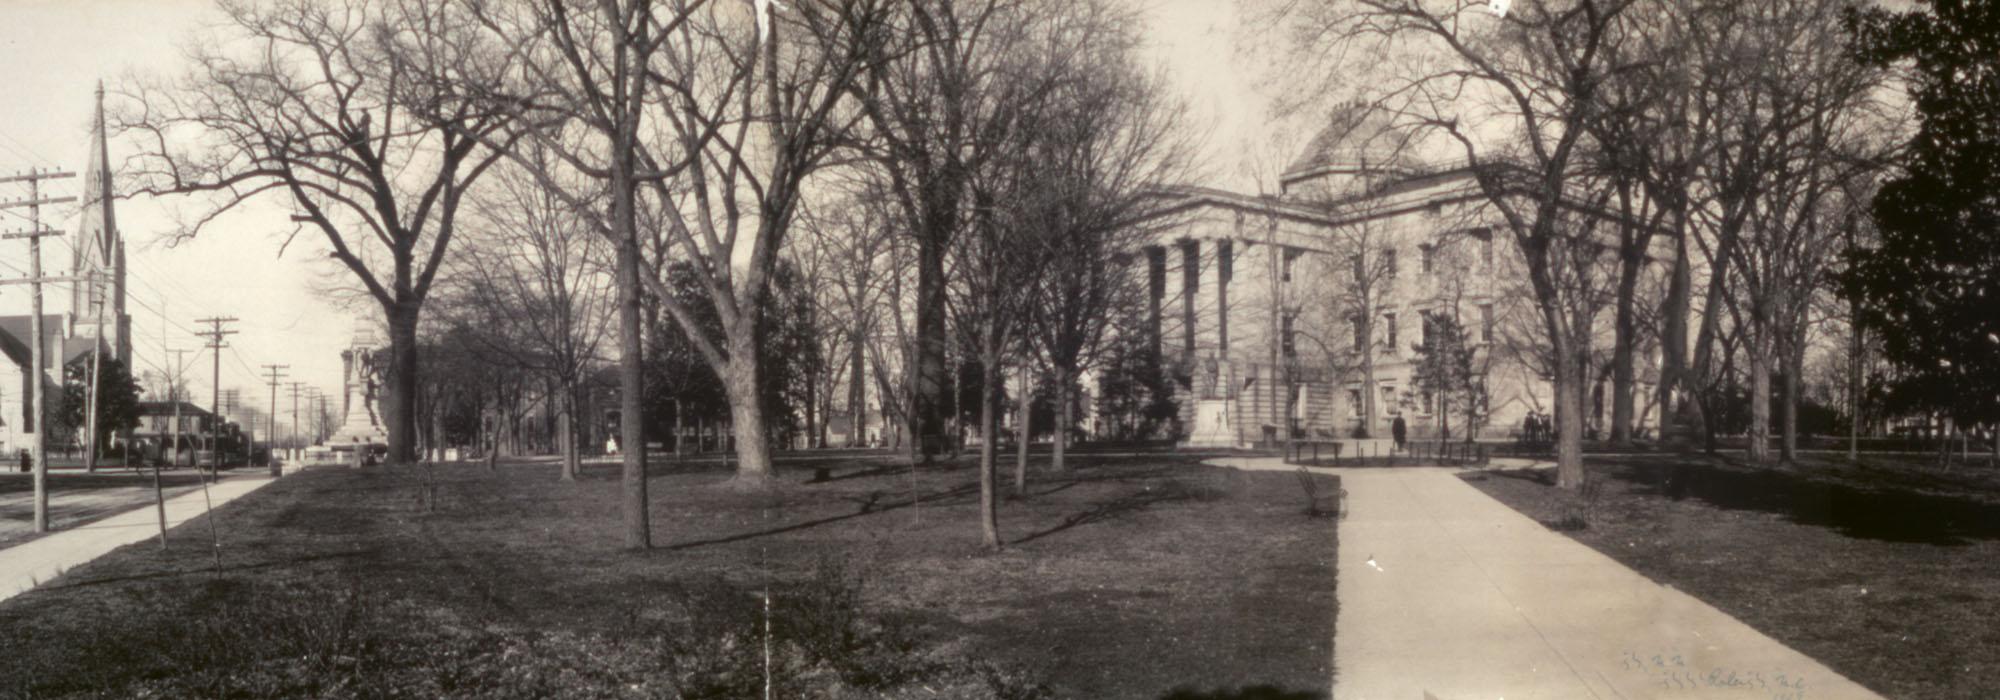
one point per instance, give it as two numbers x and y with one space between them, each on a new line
54 51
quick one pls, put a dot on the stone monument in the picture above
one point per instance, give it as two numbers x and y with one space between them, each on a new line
1212 424
362 364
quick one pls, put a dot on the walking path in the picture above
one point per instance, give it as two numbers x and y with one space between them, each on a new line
25 566
1446 593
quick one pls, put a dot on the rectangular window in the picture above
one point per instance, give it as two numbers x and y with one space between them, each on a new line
1359 271
1354 402
1389 331
1486 323
1389 262
1429 258
1429 323
1285 337
1289 256
1360 333
1486 249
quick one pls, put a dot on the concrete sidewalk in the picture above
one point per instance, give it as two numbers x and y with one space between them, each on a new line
1446 593
25 566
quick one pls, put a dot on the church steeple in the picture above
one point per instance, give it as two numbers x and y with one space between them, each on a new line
99 308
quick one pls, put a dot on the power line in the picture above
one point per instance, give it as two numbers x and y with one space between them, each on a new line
215 345
38 345
271 435
31 155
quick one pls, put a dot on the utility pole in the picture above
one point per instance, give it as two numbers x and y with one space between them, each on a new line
319 416
271 431
96 364
174 397
215 334
296 386
34 235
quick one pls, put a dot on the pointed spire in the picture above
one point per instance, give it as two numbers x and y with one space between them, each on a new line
97 306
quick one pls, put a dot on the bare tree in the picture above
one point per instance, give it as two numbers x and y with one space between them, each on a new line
939 98
1103 168
706 121
1800 126
850 240
300 101
531 292
1358 273
1514 94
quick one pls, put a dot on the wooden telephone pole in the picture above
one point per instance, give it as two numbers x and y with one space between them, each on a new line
34 203
215 334
96 370
271 422
296 387
174 371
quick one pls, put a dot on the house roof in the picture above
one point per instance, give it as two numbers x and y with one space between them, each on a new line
14 332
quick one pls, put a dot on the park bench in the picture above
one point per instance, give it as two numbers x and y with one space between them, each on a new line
1318 504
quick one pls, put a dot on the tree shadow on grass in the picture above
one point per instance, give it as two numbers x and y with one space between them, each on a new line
1248 692
1887 514
1119 506
869 506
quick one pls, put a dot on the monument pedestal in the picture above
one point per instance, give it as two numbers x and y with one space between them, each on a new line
360 430
1212 427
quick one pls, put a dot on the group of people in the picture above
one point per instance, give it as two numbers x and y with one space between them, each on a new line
1538 427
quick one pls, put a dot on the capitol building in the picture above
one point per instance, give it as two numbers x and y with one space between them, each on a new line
1303 308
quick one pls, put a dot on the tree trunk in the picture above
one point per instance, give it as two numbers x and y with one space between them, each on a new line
1624 343
1760 399
746 413
1854 385
1022 434
812 409
989 427
857 389
1788 446
401 391
631 368
571 455
1704 353
1572 371
1443 410
1367 351
1675 386
928 382
1062 422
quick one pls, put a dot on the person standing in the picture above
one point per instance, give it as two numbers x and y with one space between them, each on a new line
1400 431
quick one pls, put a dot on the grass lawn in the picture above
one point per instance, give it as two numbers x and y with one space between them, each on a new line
1135 577
1887 571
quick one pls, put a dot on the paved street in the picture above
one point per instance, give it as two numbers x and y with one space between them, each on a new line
76 498
25 566
1446 593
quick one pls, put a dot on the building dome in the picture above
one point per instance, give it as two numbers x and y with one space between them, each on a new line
1358 144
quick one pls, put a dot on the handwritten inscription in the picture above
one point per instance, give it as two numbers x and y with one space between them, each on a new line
1671 672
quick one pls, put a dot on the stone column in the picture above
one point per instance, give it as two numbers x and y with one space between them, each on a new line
1190 286
1156 290
1224 259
